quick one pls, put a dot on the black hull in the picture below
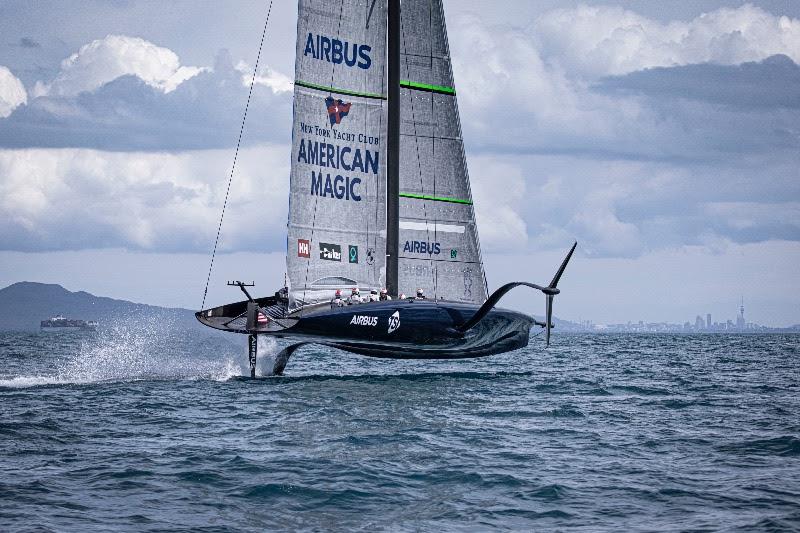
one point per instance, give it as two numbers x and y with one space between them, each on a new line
407 329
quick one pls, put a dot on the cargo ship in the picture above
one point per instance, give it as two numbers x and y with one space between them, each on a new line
61 323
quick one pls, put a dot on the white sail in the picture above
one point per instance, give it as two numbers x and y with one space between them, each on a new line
439 248
337 206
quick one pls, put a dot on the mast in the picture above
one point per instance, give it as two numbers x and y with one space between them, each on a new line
393 149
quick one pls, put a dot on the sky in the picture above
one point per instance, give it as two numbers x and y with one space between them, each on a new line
663 136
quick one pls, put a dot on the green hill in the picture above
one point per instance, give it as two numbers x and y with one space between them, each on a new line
25 304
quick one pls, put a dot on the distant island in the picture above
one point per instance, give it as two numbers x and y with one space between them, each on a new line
24 305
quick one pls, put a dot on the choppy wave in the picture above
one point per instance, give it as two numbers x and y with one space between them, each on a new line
145 427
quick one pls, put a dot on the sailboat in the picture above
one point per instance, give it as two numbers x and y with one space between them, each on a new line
380 199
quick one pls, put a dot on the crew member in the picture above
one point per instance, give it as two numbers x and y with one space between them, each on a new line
384 295
420 294
373 295
402 296
337 299
355 297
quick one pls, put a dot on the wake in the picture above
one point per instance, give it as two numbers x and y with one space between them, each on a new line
147 349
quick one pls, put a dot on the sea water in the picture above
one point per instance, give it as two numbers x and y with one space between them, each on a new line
138 429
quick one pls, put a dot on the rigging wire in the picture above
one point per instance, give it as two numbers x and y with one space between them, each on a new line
236 155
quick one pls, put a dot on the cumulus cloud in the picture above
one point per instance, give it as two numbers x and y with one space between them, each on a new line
12 92
596 41
497 209
104 60
268 77
742 85
128 114
623 208
539 89
72 199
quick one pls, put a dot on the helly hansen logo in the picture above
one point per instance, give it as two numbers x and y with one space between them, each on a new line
303 248
330 252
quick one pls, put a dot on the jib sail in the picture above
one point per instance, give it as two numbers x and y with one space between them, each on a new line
337 204
439 248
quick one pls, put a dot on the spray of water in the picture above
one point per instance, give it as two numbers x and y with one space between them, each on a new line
267 350
148 348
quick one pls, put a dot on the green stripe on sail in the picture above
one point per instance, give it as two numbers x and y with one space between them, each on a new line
435 198
336 90
426 87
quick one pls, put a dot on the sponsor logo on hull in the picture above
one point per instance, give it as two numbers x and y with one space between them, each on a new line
364 320
394 322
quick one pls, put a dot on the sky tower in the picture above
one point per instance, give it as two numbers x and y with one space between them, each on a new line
740 323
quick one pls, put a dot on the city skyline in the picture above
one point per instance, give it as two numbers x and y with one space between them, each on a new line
701 324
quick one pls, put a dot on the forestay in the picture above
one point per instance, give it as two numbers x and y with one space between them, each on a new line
337 206
439 248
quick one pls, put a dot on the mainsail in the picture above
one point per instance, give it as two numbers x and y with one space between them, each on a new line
439 249
337 228
337 205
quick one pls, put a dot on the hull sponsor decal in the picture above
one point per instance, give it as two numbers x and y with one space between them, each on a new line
394 322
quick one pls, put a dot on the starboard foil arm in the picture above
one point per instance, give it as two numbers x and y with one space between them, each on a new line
549 291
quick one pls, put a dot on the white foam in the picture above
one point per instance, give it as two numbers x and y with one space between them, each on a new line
137 350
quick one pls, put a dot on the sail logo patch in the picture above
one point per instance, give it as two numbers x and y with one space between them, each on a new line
422 247
394 322
330 252
370 256
337 110
364 320
453 253
303 248
338 52
352 254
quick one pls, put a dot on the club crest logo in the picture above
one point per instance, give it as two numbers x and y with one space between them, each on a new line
337 110
394 322
370 256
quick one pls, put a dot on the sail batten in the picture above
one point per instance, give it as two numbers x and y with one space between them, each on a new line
338 90
406 84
